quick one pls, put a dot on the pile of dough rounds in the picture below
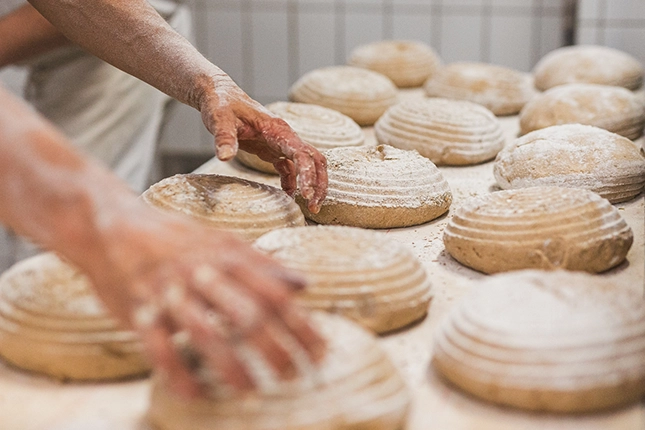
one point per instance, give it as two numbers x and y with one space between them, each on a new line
502 90
407 63
573 156
52 323
361 94
538 228
248 209
451 132
613 108
588 64
546 341
321 127
355 387
380 187
360 274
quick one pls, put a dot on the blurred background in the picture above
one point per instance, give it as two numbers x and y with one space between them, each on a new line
266 45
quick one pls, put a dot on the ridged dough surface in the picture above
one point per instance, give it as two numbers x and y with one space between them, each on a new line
380 187
52 323
246 208
451 132
360 274
613 108
588 64
547 341
361 94
356 387
538 228
502 90
321 127
573 156
407 63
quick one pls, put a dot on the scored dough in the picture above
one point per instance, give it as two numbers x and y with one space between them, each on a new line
360 274
538 228
452 132
573 156
321 127
501 90
613 108
407 63
355 387
246 208
380 187
52 323
588 64
361 94
546 341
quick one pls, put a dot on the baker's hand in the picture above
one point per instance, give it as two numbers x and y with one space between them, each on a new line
235 120
182 280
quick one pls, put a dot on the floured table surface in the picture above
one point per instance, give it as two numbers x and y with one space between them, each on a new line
29 402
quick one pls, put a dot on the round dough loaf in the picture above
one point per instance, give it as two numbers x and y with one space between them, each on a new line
52 323
502 90
361 274
538 228
588 64
355 387
613 108
573 156
380 187
446 131
248 209
361 94
407 63
546 341
321 127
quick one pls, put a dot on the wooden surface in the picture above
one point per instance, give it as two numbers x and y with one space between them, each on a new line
36 403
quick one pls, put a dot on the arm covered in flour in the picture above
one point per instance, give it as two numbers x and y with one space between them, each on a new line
130 35
159 273
25 33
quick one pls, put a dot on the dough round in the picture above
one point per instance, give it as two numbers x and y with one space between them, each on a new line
360 274
321 127
588 64
446 131
502 90
246 208
573 156
546 341
613 108
52 323
355 387
380 187
407 63
361 94
538 228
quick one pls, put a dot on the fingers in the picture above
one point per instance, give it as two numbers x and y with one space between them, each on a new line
288 176
224 130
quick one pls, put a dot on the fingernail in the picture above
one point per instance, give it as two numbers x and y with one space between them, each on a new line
225 153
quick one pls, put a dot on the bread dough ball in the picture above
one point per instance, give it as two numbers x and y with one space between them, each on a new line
361 94
573 156
613 108
246 208
52 323
588 64
546 341
407 63
360 274
446 131
355 387
538 228
380 187
321 127
502 90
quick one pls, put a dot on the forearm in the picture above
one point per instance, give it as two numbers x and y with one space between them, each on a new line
130 35
25 33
